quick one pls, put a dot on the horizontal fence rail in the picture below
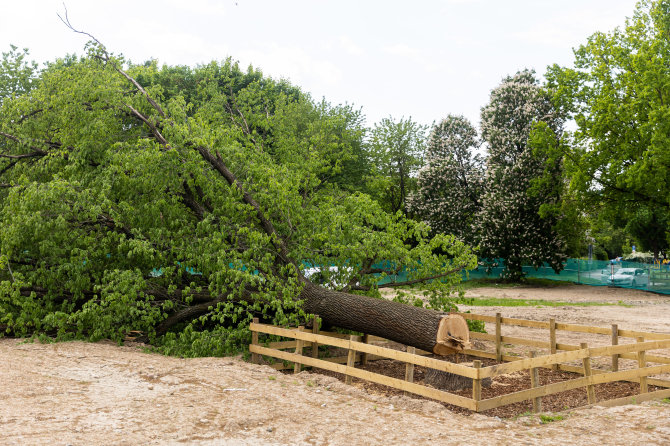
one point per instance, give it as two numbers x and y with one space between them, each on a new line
361 349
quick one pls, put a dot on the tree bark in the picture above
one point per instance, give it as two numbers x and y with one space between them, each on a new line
428 330
450 381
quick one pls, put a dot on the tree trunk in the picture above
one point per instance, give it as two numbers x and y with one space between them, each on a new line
428 330
450 381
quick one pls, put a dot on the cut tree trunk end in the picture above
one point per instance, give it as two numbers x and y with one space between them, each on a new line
429 330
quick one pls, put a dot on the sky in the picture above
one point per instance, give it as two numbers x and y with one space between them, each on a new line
418 59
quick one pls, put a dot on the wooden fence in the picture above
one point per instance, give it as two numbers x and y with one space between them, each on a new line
359 349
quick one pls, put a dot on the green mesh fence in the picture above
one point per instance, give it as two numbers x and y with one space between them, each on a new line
622 274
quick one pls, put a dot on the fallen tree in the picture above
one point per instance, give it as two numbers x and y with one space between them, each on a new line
129 204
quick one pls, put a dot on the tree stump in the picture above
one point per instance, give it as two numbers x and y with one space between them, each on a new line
450 381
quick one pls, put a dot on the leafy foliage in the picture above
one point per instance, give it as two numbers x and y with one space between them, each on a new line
618 92
451 184
395 153
510 225
181 202
16 73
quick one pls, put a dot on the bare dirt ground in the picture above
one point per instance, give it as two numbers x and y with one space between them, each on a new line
82 394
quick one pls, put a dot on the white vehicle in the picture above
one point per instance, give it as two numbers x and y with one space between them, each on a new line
631 277
329 277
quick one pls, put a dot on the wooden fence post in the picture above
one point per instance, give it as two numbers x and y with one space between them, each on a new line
615 341
364 356
590 390
535 382
298 351
642 363
498 337
477 385
255 357
552 340
315 330
351 359
409 368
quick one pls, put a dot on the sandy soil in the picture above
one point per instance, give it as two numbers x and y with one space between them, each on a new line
82 394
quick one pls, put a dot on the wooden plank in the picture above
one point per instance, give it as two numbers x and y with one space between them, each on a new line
642 363
298 351
582 328
615 341
552 340
526 363
282 345
498 337
646 335
657 395
409 368
483 336
650 358
254 341
477 384
658 382
525 323
315 330
524 341
550 389
535 382
336 360
524 395
478 317
388 353
479 353
568 356
566 327
567 347
351 360
628 348
586 362
396 383
364 356
650 381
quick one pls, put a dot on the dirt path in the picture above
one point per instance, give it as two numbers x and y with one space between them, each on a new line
82 394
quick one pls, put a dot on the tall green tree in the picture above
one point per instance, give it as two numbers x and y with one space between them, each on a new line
129 205
16 72
510 226
395 153
618 94
451 184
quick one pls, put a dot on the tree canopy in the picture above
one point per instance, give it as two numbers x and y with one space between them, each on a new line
180 202
617 159
451 184
510 225
395 153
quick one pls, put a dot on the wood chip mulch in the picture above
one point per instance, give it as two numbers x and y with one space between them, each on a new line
501 385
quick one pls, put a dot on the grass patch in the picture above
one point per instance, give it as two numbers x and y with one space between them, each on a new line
508 302
498 283
547 418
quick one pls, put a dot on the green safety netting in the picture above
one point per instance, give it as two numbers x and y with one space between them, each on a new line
635 275
650 277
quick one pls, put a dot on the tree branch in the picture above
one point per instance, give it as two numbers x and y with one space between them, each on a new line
407 282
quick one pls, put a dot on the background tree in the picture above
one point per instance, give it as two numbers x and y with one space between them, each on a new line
395 153
16 73
618 94
131 205
510 226
451 184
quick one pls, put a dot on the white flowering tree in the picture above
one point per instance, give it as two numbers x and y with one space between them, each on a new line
450 186
510 225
